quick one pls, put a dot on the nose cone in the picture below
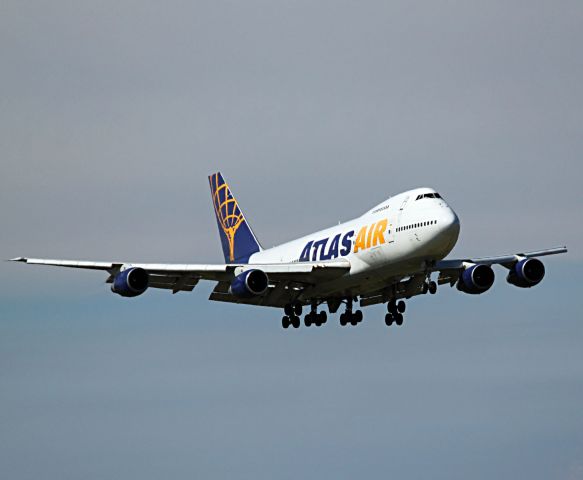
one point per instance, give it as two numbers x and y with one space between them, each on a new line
449 228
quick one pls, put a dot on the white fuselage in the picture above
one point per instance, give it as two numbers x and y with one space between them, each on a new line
398 237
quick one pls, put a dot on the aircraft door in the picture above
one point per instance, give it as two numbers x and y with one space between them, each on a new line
400 214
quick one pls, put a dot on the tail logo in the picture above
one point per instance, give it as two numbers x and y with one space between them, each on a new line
229 216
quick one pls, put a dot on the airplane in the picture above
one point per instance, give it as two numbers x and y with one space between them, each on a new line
387 255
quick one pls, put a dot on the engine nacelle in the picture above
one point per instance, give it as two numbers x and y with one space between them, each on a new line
131 282
526 273
476 279
248 284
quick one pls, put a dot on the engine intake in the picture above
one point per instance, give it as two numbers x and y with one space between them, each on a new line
526 273
248 284
131 282
476 279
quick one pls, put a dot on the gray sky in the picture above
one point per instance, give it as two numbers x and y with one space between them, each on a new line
113 114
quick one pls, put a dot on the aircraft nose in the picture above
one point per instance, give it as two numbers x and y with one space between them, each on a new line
450 224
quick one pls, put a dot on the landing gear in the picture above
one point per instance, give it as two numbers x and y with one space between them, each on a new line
354 318
292 315
430 287
395 315
293 321
314 318
292 310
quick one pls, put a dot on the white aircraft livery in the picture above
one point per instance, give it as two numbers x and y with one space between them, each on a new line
386 255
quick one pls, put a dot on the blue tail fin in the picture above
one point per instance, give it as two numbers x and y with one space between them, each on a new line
237 238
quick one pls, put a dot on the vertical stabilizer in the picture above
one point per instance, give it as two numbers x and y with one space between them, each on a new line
237 238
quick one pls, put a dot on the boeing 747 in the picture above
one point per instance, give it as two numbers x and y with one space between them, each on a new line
391 253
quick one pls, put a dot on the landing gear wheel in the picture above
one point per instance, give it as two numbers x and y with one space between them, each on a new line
432 288
295 321
399 319
358 316
285 323
308 319
388 319
353 320
343 319
298 309
322 318
288 310
391 306
401 306
425 288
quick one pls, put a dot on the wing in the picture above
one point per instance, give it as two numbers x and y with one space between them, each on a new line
450 269
449 272
284 278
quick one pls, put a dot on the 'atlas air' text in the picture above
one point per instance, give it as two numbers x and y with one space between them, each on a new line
341 244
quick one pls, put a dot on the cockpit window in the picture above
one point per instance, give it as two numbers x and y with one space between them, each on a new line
428 195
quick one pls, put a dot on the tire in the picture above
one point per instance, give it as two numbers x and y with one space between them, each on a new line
296 322
343 319
399 319
322 318
288 309
358 315
391 307
425 288
401 306
298 309
432 288
388 319
285 322
308 320
353 319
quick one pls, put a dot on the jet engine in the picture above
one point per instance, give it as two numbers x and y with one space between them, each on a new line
131 282
526 273
476 279
249 284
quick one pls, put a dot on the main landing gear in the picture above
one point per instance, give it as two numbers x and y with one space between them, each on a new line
292 315
396 310
315 317
350 317
294 311
430 287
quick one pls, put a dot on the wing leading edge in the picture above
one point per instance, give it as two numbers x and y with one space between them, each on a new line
450 269
184 277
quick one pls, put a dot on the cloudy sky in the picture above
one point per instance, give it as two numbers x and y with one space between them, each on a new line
112 114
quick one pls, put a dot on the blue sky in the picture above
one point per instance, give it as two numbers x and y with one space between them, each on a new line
113 115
